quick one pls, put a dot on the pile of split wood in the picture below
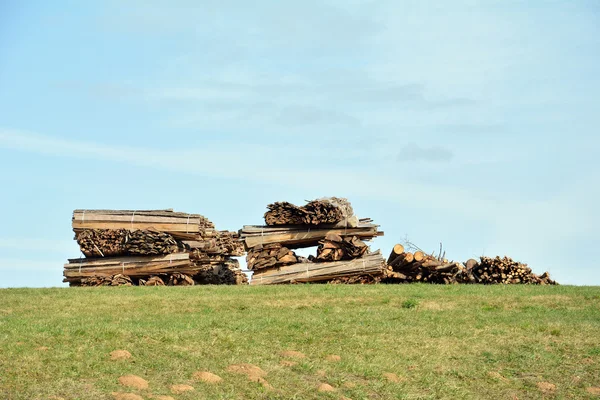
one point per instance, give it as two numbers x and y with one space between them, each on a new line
406 266
328 224
151 248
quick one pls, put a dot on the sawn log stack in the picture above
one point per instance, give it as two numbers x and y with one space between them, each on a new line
328 224
152 248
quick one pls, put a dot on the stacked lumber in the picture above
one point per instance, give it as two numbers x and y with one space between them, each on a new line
151 248
370 264
328 223
406 266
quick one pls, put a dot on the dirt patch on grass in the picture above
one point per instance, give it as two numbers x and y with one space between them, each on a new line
42 348
179 389
321 373
288 363
162 397
325 387
207 377
250 370
126 396
133 381
349 385
593 390
292 354
391 377
546 387
333 358
119 355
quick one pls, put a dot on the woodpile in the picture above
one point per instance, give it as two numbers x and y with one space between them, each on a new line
406 266
507 271
328 223
336 248
328 210
152 248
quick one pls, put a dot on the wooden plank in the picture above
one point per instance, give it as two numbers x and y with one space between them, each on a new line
307 238
185 228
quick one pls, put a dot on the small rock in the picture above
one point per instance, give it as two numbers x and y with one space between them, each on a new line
133 381
179 389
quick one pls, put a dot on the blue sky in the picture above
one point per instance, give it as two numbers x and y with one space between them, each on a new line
472 123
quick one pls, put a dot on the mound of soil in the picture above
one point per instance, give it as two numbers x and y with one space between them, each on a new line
546 387
391 377
133 381
179 389
119 355
250 370
324 387
126 396
207 377
292 354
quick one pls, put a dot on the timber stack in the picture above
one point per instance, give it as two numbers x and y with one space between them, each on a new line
328 224
151 248
417 266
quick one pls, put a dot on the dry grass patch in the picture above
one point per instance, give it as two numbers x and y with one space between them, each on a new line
119 355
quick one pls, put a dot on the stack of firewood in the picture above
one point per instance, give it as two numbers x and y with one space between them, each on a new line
328 223
151 248
417 266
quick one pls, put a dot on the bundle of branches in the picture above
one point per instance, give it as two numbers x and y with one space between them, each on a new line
369 264
114 280
294 237
226 273
322 212
162 220
269 256
336 248
505 270
327 210
285 213
116 242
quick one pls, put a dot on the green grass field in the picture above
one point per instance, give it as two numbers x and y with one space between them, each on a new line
442 342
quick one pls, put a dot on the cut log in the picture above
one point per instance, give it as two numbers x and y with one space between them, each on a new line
396 252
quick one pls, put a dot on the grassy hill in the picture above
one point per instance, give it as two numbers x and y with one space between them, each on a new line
394 342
